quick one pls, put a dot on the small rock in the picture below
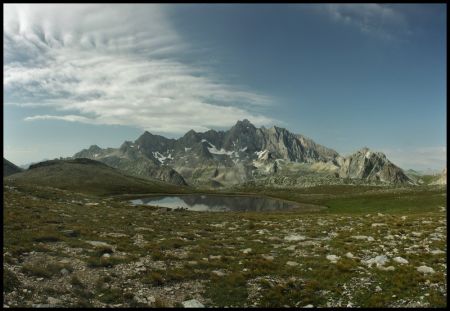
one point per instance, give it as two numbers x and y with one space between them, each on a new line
425 269
390 268
246 251
378 224
267 257
53 301
333 258
294 237
106 255
378 289
151 299
400 260
64 271
308 306
437 252
193 303
378 260
292 263
218 273
349 255
99 243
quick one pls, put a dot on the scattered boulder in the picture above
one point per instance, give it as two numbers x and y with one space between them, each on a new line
400 260
350 255
218 273
193 303
333 258
425 270
268 257
294 237
437 252
378 261
99 244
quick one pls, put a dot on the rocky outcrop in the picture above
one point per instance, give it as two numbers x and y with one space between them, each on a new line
168 175
442 178
371 166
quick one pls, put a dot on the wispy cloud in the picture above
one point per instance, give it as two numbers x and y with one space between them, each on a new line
115 64
374 19
418 158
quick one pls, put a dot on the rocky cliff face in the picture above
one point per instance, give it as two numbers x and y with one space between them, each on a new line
442 178
242 153
372 166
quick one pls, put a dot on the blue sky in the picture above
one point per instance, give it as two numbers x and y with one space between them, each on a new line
345 75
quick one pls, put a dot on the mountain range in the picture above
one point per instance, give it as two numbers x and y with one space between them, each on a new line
245 154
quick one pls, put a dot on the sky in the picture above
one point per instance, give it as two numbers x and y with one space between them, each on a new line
345 75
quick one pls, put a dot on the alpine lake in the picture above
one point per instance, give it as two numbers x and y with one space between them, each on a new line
225 203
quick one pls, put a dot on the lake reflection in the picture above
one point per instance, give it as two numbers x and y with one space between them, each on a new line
216 203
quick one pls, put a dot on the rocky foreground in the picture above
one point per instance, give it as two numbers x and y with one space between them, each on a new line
66 249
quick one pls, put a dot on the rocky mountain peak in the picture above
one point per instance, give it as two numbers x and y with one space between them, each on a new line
241 153
373 166
244 122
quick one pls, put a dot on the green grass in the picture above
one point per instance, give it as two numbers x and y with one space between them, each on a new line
10 281
175 238
229 290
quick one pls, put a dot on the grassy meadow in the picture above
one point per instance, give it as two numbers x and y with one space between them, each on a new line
82 249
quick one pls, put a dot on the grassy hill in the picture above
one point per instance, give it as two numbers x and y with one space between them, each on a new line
10 168
88 176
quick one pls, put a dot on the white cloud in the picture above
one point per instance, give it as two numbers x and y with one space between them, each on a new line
70 118
379 20
114 64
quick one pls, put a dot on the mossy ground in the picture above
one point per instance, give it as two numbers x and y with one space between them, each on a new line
147 257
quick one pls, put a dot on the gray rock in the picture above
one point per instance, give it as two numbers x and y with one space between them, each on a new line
425 270
400 260
378 261
99 243
53 301
333 258
193 303
218 273
294 237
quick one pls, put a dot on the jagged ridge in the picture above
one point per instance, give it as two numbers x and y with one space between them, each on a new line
242 153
